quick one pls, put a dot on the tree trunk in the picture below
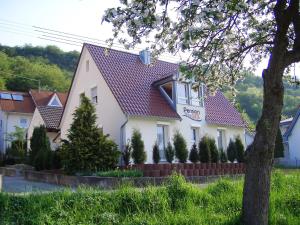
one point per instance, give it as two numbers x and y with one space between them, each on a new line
259 155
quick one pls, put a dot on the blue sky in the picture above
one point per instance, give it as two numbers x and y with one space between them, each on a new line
80 17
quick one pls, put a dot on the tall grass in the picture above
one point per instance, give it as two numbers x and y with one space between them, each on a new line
177 203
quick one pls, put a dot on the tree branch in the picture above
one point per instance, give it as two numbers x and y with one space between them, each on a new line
292 57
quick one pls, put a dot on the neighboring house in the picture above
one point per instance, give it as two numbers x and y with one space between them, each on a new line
16 110
129 93
48 112
291 140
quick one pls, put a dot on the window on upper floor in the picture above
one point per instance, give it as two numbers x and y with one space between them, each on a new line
23 123
183 93
196 97
94 95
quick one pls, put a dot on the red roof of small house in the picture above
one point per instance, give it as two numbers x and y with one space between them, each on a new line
220 111
42 98
131 83
51 116
24 106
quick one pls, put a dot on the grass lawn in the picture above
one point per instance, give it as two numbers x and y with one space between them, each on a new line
177 202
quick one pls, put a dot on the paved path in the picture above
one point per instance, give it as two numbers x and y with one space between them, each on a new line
18 185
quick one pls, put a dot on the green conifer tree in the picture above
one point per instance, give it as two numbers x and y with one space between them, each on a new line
194 154
215 156
138 152
279 148
240 151
180 147
169 152
223 156
204 151
87 148
231 151
155 153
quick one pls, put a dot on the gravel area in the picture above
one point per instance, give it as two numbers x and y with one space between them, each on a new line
19 185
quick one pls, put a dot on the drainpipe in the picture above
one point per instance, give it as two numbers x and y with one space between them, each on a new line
5 134
122 136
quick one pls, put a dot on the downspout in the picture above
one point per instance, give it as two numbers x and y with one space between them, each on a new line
122 136
5 134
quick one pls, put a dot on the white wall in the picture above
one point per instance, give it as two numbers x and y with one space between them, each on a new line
294 143
110 115
10 121
148 129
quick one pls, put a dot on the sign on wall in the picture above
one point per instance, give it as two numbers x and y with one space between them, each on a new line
192 114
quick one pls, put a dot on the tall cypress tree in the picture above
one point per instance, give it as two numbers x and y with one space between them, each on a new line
180 147
138 153
87 148
239 149
279 148
40 151
231 151
204 150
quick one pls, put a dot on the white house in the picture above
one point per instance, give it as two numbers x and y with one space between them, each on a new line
16 110
48 111
291 140
130 93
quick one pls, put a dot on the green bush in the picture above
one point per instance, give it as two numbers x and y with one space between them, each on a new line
138 153
126 154
223 156
120 173
169 152
194 154
180 147
231 151
155 153
40 151
240 152
215 157
16 153
204 150
279 148
87 148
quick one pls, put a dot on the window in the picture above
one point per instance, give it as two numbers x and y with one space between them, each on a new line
182 90
55 101
6 96
195 96
162 137
23 123
201 95
87 65
221 139
17 97
0 124
168 89
94 96
194 135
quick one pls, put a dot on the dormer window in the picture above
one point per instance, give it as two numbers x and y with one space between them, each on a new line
168 89
55 101
183 93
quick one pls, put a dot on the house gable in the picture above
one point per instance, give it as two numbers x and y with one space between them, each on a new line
109 113
54 101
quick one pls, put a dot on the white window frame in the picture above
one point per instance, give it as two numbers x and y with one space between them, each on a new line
94 95
223 136
194 133
180 98
165 129
54 97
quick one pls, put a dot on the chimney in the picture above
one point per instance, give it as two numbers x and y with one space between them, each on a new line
145 56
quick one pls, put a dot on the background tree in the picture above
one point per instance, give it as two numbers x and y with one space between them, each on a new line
169 152
87 148
231 151
219 35
240 151
223 156
40 151
126 154
215 157
194 154
279 148
138 153
155 153
204 151
180 147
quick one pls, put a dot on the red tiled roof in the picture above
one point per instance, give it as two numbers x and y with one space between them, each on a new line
51 115
42 98
25 106
220 111
130 82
